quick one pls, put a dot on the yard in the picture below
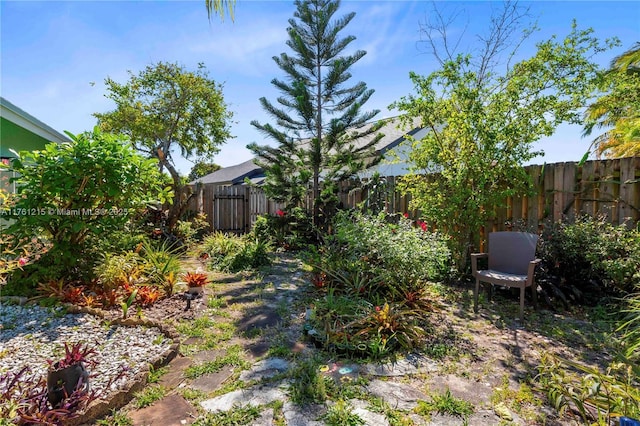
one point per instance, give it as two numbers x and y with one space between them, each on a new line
319 336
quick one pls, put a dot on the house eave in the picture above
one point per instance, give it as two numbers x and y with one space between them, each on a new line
28 122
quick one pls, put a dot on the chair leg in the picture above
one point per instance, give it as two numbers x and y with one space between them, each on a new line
475 296
522 303
534 295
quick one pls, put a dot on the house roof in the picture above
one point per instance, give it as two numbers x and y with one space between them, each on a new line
394 134
27 121
233 175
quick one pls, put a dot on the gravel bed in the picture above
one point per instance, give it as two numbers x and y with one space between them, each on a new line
30 335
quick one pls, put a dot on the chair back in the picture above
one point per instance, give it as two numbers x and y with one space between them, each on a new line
511 252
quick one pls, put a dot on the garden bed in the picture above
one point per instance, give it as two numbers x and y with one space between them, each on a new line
31 335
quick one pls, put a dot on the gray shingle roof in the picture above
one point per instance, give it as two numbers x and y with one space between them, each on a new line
232 175
393 135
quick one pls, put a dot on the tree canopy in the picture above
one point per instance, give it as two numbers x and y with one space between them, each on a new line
166 110
482 124
618 107
202 168
318 117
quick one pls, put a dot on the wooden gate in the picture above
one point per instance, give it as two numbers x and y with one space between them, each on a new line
227 208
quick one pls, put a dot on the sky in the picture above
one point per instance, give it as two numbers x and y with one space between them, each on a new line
55 55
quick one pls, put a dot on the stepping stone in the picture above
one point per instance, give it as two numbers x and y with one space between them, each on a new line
257 349
209 355
175 375
261 317
264 369
412 364
257 395
212 381
479 418
303 416
466 389
338 371
370 418
265 419
397 395
172 410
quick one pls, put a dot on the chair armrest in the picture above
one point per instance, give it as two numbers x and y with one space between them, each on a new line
532 266
474 261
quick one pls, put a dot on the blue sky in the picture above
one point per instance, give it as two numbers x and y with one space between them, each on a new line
55 55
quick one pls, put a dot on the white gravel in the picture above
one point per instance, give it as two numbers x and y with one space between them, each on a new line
30 335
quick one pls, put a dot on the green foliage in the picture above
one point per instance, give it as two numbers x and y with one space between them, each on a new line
593 394
308 384
445 403
318 118
372 278
482 125
290 230
202 168
16 251
341 414
630 326
192 231
115 419
73 191
398 255
618 107
590 259
230 253
166 108
235 416
161 265
234 358
149 395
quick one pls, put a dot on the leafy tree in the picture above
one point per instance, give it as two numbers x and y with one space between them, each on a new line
164 109
89 187
202 168
319 118
483 122
618 108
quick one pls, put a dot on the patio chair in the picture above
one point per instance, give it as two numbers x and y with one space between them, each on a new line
512 263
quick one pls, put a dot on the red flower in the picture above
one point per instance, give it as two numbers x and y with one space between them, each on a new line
406 215
280 213
23 261
422 225
377 308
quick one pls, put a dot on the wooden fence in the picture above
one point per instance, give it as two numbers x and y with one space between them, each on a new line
607 188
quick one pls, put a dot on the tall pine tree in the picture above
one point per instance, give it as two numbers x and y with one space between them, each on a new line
319 126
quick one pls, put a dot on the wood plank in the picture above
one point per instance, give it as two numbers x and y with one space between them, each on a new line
607 203
533 202
569 190
628 210
587 183
557 206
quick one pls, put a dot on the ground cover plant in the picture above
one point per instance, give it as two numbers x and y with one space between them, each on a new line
371 277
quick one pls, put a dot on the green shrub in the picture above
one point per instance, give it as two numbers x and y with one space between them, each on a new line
590 259
193 230
231 253
398 254
288 230
73 191
593 394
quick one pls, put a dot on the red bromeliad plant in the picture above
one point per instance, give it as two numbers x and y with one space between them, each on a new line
148 295
196 279
74 355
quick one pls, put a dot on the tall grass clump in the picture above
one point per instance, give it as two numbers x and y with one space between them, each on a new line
232 253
